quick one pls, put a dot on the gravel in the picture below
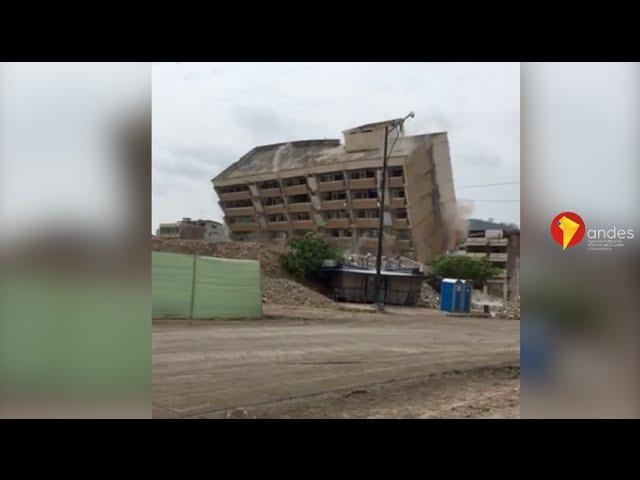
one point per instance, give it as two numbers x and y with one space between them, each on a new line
267 253
283 291
510 310
428 297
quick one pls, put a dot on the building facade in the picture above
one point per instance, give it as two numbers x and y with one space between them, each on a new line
500 244
187 229
284 190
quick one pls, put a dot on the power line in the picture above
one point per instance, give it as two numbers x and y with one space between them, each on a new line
497 201
488 185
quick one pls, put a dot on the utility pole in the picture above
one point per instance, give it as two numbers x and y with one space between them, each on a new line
379 299
383 182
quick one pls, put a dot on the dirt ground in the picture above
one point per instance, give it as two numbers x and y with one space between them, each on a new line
491 392
300 362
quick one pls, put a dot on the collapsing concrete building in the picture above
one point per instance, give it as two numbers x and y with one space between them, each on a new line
499 243
333 189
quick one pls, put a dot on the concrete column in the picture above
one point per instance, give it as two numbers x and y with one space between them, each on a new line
259 216
349 205
286 208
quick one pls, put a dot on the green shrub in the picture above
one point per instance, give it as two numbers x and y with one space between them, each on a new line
478 270
306 255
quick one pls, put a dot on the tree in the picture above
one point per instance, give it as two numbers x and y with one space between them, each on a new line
304 260
478 270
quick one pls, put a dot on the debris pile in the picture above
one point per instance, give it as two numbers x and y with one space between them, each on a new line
510 310
428 297
267 253
289 292
479 300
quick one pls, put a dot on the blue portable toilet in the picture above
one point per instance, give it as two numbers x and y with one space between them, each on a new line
451 290
465 303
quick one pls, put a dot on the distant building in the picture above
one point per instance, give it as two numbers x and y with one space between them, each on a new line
187 229
500 244
333 189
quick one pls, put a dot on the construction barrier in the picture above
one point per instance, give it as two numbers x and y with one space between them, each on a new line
193 286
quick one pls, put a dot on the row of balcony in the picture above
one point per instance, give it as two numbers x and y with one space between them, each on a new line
492 257
333 223
480 241
398 223
280 208
361 203
359 184
228 197
264 192
371 243
357 203
338 185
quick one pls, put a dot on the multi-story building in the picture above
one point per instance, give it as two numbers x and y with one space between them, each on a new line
187 229
500 244
323 186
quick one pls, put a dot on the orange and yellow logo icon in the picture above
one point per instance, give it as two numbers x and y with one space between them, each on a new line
567 229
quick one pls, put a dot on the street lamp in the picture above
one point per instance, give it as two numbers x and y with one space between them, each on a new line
398 124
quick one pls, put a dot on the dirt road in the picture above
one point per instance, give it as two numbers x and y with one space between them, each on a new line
488 392
412 363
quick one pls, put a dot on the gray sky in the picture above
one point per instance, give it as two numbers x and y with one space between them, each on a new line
207 115
61 127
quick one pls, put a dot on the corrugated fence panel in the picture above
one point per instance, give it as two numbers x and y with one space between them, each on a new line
227 288
171 284
224 287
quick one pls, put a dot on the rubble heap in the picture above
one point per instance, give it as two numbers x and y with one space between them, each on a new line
428 297
267 254
510 310
288 292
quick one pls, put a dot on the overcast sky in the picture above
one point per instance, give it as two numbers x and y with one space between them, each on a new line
61 153
207 115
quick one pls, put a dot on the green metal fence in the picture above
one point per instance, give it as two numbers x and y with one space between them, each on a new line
192 286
